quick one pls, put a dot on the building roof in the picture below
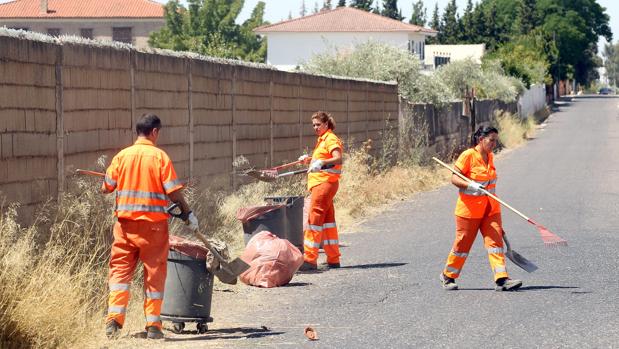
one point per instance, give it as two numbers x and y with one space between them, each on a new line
32 9
342 19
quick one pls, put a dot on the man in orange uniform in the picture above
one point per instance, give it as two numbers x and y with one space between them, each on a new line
323 181
143 177
476 211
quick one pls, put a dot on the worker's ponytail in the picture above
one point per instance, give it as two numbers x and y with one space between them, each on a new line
482 132
325 117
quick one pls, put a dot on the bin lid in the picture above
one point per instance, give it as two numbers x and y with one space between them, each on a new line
245 214
187 247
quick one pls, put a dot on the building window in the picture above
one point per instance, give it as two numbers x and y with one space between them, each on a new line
122 34
439 60
53 31
86 33
417 48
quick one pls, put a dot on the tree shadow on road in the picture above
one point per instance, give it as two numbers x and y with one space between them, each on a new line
228 333
373 266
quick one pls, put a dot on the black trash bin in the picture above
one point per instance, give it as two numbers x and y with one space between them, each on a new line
188 292
273 219
294 217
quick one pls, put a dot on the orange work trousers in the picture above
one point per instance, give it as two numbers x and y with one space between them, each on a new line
133 241
322 227
466 232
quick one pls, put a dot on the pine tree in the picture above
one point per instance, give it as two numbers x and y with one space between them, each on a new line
365 5
303 10
491 33
390 9
435 24
419 15
326 5
341 3
466 23
527 18
450 29
316 8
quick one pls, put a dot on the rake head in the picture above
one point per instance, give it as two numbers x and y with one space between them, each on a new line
550 239
262 175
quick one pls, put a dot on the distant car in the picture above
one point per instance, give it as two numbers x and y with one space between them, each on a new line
605 91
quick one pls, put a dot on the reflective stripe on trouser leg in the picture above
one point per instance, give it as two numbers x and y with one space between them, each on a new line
154 256
331 242
117 306
321 205
466 231
493 241
123 260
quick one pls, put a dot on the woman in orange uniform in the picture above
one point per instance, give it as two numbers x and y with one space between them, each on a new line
322 181
476 211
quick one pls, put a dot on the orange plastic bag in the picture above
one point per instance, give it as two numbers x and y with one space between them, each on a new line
273 261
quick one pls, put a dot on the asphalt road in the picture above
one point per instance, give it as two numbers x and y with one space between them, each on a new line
388 295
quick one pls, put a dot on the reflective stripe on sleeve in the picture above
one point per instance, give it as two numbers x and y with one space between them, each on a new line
119 287
171 184
141 208
110 182
311 244
142 194
154 295
117 310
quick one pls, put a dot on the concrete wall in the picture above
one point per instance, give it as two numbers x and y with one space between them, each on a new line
445 130
532 101
63 106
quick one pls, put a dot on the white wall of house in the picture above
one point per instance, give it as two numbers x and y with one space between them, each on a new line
288 50
101 28
454 53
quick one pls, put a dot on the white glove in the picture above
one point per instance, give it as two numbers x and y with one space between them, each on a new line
304 158
315 166
475 188
192 222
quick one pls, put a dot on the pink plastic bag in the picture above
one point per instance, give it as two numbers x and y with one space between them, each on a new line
273 261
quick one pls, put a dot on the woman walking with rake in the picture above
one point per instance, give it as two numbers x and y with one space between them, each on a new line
475 211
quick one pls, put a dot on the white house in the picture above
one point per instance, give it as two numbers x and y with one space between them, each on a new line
437 55
292 42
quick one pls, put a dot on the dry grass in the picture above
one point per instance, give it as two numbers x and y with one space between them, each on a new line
513 130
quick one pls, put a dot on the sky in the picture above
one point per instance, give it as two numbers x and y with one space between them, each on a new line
278 10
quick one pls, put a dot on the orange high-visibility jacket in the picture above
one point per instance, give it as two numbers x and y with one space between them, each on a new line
142 176
473 166
324 146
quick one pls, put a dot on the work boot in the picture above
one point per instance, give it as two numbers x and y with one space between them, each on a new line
153 332
448 283
507 284
112 329
307 266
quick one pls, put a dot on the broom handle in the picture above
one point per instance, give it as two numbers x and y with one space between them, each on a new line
468 180
90 173
287 165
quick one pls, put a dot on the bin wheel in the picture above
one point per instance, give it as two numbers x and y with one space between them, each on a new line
202 327
177 327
